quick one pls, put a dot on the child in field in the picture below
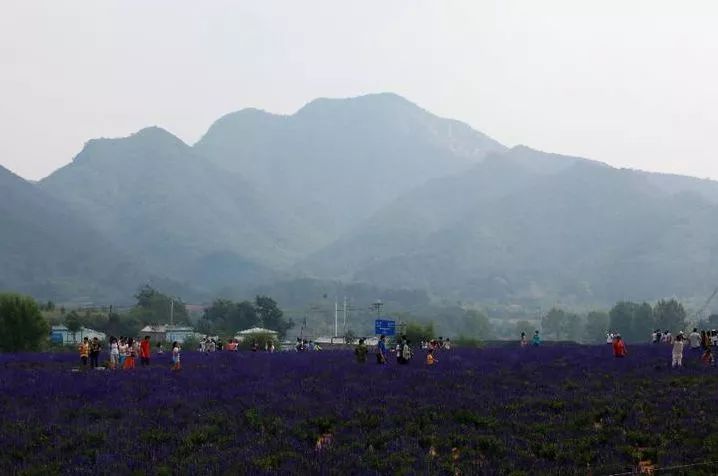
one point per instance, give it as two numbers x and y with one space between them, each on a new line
524 343
430 359
175 356
678 345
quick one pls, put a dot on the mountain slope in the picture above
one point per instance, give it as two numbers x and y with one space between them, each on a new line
581 232
337 161
49 252
154 197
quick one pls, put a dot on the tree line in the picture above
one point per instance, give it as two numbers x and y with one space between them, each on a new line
634 321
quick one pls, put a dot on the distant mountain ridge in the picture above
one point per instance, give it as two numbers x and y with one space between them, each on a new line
371 189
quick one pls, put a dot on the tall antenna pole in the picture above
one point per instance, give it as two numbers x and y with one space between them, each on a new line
172 312
345 315
336 318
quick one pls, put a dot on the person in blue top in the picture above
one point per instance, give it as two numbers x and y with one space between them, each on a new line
536 341
381 350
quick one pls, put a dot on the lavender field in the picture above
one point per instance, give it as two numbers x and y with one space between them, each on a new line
528 411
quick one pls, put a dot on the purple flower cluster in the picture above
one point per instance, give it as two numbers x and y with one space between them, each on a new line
486 411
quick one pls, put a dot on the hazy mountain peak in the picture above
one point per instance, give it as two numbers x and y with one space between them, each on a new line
377 102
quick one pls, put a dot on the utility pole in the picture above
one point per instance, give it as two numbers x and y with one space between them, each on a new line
336 318
344 327
377 307
172 312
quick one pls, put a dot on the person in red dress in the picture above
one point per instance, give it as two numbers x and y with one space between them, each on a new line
145 352
619 347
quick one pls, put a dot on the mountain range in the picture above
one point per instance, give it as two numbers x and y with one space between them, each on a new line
372 190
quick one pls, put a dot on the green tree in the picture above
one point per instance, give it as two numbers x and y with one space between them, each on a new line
571 327
73 322
596 327
416 332
554 322
475 325
525 326
271 316
22 327
121 325
632 320
231 317
669 315
153 307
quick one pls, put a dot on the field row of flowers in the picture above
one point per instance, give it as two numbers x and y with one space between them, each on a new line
488 411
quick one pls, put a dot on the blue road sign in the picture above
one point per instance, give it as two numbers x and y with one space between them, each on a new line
384 327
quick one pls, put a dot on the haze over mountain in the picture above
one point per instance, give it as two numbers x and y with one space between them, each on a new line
371 189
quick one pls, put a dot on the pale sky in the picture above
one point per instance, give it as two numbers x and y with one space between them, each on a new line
632 83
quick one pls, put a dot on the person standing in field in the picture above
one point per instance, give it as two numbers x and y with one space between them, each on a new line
524 342
130 357
397 350
677 354
123 351
145 352
361 351
114 352
619 347
84 349
536 341
175 356
705 341
381 350
95 348
430 359
694 339
405 352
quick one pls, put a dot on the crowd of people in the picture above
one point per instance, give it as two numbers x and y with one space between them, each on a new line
699 343
124 351
402 350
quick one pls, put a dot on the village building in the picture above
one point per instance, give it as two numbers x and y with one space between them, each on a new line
62 335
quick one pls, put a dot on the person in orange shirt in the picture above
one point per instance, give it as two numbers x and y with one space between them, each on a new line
619 347
145 352
430 360
84 349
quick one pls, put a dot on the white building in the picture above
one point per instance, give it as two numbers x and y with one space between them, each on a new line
62 335
167 333
255 330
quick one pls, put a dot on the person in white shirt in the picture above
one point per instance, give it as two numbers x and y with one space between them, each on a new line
694 338
175 356
114 353
714 338
678 351
609 338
